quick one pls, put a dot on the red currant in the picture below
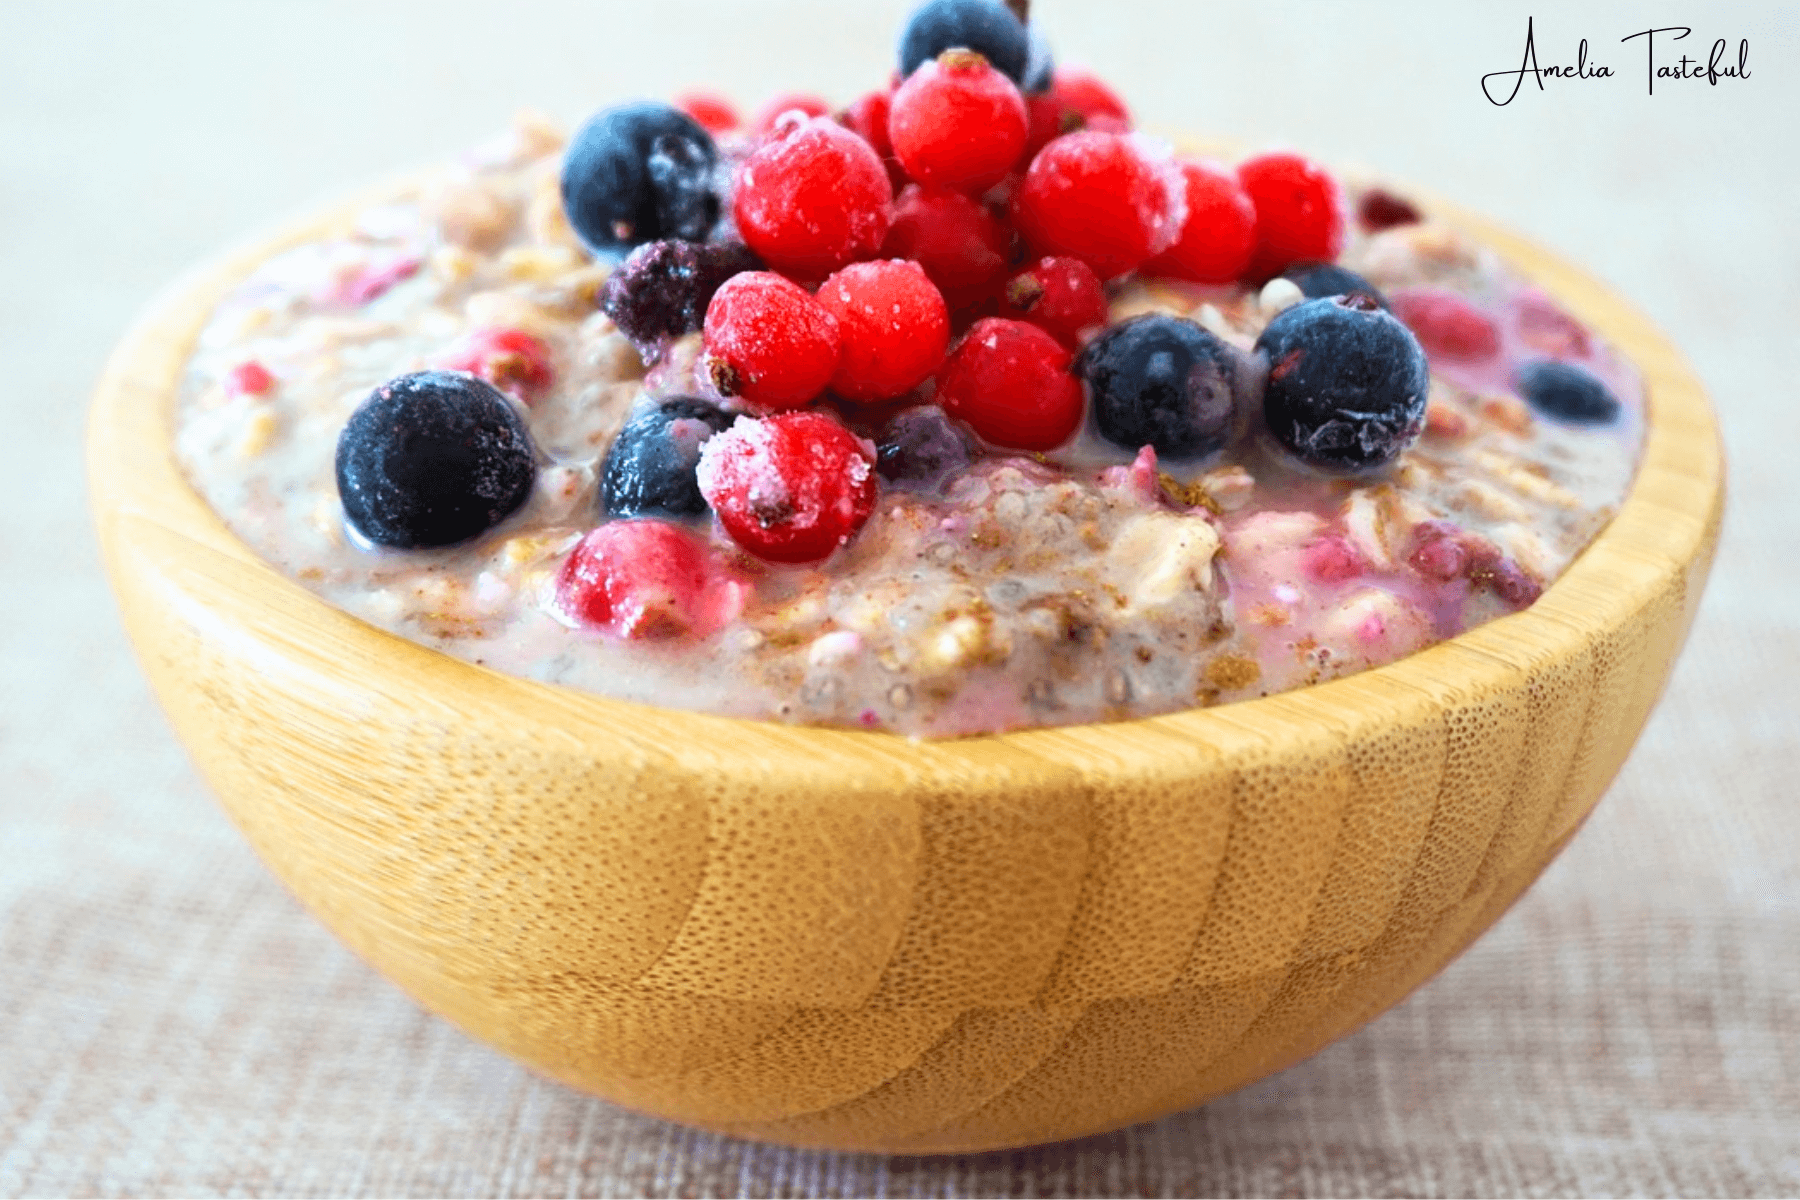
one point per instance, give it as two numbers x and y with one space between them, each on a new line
1112 200
511 359
769 342
647 579
1219 234
248 378
766 116
1061 296
867 118
958 123
790 488
1010 382
714 113
1097 105
812 198
1300 212
893 328
958 242
1447 326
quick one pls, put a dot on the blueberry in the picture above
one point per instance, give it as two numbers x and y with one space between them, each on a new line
985 26
920 448
1317 280
1162 381
649 471
637 173
1347 383
1566 392
432 459
661 291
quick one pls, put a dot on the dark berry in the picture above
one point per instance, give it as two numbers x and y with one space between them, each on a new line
649 469
984 26
1061 296
920 448
1317 280
770 342
1112 200
637 173
1299 212
1040 64
1566 392
1347 383
893 328
1009 381
661 291
790 488
813 197
1218 234
1162 381
432 459
1379 210
958 123
958 242
647 580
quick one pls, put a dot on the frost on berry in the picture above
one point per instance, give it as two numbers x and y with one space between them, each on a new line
812 198
791 488
1112 200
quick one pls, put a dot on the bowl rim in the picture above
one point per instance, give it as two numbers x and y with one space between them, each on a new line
1664 528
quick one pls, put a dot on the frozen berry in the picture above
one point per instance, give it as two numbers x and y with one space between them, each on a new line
715 114
958 123
1112 200
248 378
1566 392
985 26
919 449
661 291
649 469
1346 386
1040 64
767 115
1061 296
867 118
1318 280
511 359
893 328
1219 234
637 173
1379 210
1163 381
958 242
812 198
1009 381
647 580
1299 212
1093 103
769 342
432 459
1448 326
790 488
1047 119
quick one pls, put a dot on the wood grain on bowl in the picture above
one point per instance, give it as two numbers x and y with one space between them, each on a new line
842 939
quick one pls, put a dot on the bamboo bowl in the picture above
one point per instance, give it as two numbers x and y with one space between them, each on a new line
844 939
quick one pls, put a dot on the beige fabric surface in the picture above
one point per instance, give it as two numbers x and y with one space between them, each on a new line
171 1023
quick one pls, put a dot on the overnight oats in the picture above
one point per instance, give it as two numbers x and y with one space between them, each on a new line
963 409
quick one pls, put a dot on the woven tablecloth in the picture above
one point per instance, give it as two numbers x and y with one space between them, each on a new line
172 1023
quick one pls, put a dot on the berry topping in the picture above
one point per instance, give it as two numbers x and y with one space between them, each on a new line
1317 280
790 488
812 198
1566 392
649 469
867 118
661 291
1449 327
1443 552
1299 212
958 123
1094 105
1112 200
637 173
1548 329
769 342
958 242
1217 238
715 114
893 328
1162 381
769 113
1381 210
432 459
1010 382
985 26
919 449
249 378
510 359
1040 65
647 580
1061 296
1347 383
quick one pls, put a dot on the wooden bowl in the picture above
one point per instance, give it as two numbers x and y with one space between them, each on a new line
844 939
